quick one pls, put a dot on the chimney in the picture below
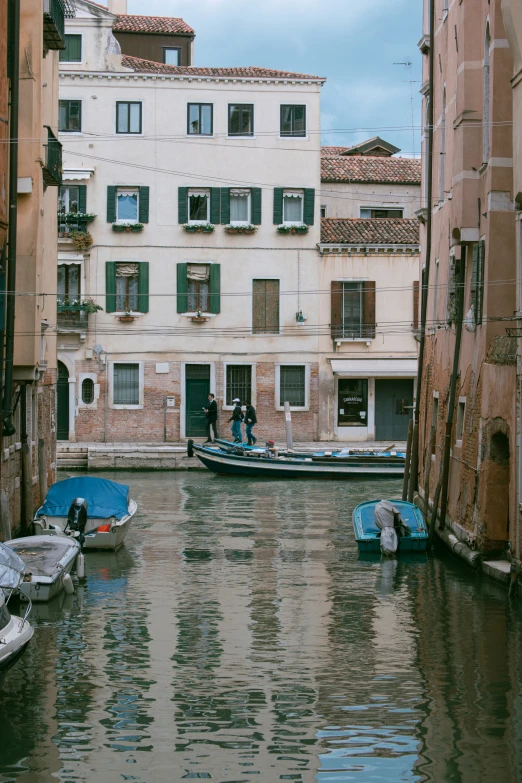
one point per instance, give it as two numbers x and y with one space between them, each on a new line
118 7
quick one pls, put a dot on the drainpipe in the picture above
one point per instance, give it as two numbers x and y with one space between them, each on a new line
414 470
7 405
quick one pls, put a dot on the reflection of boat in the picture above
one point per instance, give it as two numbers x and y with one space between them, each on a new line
259 462
48 561
15 632
368 535
108 511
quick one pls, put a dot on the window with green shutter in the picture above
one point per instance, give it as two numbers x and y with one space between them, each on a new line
198 288
309 206
73 49
477 281
256 206
183 205
127 286
144 204
278 206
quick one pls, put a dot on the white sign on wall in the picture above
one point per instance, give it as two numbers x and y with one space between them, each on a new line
162 367
171 402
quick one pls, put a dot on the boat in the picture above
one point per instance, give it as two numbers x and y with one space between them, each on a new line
232 446
48 561
107 511
368 535
263 462
15 632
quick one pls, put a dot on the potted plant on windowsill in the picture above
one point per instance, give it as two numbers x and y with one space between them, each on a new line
192 228
246 228
87 306
81 240
120 227
199 318
298 228
127 317
78 217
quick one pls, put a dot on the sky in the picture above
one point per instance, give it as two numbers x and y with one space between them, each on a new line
354 43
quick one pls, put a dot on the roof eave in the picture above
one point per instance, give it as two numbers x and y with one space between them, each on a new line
338 247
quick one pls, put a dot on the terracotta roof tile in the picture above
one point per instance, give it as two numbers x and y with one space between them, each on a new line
251 72
404 171
130 23
366 231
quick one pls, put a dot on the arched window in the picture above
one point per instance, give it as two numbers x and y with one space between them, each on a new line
486 133
442 167
87 391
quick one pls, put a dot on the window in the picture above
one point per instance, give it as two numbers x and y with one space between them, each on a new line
477 281
461 417
199 119
127 204
171 55
352 402
240 119
126 384
128 116
127 201
69 199
198 277
68 283
70 117
127 287
199 206
239 206
198 288
265 306
292 206
239 383
353 310
293 121
292 389
73 49
380 212
87 391
324 210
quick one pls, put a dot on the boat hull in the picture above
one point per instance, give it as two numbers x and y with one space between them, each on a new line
46 578
367 534
15 638
94 539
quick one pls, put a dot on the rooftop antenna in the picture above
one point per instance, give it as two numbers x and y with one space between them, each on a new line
407 64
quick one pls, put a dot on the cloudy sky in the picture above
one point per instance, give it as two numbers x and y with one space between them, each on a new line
352 42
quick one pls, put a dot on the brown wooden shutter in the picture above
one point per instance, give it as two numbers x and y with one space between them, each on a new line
272 306
336 314
265 306
369 309
415 304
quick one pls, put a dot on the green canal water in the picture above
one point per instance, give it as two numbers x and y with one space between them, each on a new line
237 636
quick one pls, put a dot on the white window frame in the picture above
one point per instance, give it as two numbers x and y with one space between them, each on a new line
277 390
76 62
289 192
307 115
73 133
248 221
68 185
112 404
170 49
254 119
195 192
77 259
325 208
129 133
380 206
461 421
253 383
92 376
130 190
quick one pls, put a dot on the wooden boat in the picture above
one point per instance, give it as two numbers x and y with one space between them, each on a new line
48 563
367 534
342 453
261 463
108 506
15 632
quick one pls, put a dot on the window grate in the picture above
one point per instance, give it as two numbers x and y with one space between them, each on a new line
239 383
197 372
292 386
87 391
126 384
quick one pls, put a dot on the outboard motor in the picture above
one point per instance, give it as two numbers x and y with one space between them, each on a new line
385 515
77 519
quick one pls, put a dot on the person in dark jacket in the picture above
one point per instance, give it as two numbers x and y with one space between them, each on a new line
236 419
211 412
250 420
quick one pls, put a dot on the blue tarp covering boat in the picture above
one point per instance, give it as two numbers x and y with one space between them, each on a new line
104 498
367 534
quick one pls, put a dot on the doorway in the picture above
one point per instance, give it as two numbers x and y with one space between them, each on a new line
62 413
393 408
197 388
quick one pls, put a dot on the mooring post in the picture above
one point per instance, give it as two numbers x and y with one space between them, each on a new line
408 461
42 468
288 427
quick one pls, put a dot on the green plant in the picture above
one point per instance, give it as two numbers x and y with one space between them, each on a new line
87 305
118 227
81 240
206 228
298 228
77 217
136 227
247 228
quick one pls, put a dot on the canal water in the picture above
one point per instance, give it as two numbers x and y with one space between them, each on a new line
237 636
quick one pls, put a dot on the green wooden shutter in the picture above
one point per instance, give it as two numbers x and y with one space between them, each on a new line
110 286
181 288
225 206
336 317
144 204
82 198
368 289
278 206
111 204
256 206
183 206
215 205
308 207
215 288
143 286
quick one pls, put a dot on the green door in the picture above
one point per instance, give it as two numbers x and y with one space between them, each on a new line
62 413
393 408
197 388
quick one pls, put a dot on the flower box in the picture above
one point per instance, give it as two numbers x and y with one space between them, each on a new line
127 319
192 228
247 229
199 319
120 227
284 229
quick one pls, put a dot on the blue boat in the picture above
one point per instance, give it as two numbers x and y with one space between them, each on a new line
368 535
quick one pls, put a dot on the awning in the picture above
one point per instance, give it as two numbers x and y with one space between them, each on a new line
72 175
375 368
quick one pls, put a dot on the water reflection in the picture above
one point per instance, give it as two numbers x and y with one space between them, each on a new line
239 636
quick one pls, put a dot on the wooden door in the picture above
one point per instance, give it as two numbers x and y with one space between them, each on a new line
62 413
393 408
197 388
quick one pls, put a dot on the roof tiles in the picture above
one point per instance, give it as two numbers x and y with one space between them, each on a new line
338 168
250 72
369 231
132 23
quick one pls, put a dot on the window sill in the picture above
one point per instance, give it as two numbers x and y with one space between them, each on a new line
240 136
293 408
200 136
366 340
71 133
195 315
127 133
126 407
285 138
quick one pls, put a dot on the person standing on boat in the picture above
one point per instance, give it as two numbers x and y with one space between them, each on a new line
211 413
250 421
236 419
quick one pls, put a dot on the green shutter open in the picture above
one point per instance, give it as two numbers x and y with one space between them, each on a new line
181 288
182 206
143 286
111 203
82 198
308 207
256 206
144 204
215 288
278 206
215 205
110 286
225 206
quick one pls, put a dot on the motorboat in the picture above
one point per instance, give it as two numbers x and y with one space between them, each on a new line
100 507
15 632
271 463
48 561
317 454
411 534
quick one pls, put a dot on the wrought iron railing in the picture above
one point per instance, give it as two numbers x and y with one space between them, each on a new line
54 24
52 171
65 226
71 317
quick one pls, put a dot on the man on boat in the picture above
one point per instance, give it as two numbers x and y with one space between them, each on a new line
236 419
211 412
250 421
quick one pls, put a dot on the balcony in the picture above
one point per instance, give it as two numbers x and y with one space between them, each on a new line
72 318
54 24
52 170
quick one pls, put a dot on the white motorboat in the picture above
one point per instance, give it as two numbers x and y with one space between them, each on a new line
98 508
48 561
15 632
